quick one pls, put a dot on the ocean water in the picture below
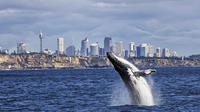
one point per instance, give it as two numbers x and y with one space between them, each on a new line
91 90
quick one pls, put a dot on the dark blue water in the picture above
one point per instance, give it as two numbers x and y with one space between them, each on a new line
174 89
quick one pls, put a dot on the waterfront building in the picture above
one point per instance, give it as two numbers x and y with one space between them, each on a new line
78 53
21 48
71 50
158 52
5 51
131 49
126 54
84 47
150 51
107 44
165 52
174 54
101 51
94 49
60 45
112 48
119 50
142 50
47 51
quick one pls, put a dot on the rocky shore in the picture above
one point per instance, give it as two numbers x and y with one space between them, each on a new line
44 61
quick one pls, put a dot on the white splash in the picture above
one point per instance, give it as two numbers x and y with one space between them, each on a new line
120 95
155 91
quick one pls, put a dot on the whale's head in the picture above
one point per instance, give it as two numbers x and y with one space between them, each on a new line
122 66
117 62
126 68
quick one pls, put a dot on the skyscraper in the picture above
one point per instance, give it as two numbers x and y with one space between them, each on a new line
165 52
84 47
78 52
60 45
71 51
131 49
94 49
101 51
119 50
158 52
150 51
126 54
142 50
107 44
21 48
174 54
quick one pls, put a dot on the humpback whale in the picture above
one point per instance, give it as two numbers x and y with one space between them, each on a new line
138 88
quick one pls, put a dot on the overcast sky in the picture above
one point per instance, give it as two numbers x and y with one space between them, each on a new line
174 24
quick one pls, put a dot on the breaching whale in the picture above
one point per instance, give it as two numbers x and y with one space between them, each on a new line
138 88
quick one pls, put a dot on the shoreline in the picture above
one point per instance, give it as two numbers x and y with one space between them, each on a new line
37 61
94 68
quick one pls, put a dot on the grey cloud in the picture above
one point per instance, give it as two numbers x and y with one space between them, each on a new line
160 22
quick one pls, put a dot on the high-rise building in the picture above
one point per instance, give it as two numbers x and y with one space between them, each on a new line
101 51
94 49
107 44
119 50
60 45
158 52
78 53
142 50
84 47
131 49
5 51
112 48
165 52
126 54
71 51
150 51
21 48
41 37
174 54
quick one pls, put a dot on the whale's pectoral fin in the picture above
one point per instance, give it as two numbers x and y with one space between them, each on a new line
144 72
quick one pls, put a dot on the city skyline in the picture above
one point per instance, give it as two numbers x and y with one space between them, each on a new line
165 23
134 50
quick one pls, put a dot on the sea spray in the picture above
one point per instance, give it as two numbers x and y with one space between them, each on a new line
155 90
120 95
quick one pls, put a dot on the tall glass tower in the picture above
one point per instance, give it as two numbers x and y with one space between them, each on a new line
84 47
107 44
